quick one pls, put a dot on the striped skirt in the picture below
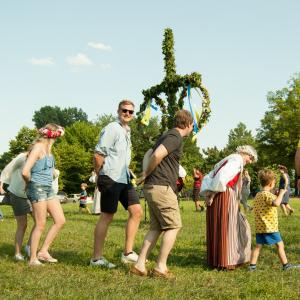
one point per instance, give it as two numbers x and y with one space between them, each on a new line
228 234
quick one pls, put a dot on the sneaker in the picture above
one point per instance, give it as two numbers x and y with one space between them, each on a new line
132 257
251 268
27 250
19 257
290 266
102 262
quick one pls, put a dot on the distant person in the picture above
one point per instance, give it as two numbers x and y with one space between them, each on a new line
16 196
96 209
180 179
160 192
198 176
228 235
284 184
83 199
38 174
111 162
266 220
246 181
297 166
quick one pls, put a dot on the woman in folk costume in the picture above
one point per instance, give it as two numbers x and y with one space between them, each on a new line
227 231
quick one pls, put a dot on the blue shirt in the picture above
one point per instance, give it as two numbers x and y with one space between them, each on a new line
115 145
42 171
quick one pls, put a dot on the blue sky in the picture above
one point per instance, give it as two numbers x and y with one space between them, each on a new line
91 54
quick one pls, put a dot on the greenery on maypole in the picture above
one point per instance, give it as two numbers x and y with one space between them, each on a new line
170 93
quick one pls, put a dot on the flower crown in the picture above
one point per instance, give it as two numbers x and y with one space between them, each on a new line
52 134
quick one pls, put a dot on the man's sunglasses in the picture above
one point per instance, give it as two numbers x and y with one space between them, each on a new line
131 112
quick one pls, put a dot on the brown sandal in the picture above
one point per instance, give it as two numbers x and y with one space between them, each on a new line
137 272
166 275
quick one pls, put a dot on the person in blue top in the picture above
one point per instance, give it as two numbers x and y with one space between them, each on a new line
111 163
38 175
284 183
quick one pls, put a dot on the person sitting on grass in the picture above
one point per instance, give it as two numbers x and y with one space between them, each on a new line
266 220
83 199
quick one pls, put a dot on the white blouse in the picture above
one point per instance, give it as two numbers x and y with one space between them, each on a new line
217 179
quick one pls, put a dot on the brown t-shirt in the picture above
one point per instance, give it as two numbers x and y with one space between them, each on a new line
167 172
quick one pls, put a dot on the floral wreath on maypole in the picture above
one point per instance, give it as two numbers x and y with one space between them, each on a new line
174 87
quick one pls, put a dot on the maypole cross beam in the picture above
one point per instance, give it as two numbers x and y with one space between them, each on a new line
174 87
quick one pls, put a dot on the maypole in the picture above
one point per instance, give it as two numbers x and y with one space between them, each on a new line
169 95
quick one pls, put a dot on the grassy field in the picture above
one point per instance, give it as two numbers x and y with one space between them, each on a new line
73 278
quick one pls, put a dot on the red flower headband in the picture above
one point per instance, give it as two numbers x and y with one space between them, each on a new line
52 134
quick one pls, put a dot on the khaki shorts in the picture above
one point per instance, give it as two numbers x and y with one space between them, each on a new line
20 206
163 207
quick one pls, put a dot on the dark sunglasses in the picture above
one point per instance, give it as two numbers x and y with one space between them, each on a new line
131 112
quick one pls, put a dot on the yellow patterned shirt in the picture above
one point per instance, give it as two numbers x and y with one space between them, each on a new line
266 218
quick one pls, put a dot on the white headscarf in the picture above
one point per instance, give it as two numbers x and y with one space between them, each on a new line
247 149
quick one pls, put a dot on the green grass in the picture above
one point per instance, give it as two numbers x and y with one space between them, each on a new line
73 278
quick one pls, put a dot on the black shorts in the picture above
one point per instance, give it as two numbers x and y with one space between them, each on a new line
112 192
82 205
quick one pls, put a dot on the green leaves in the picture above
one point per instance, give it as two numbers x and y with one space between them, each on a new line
173 89
280 128
54 114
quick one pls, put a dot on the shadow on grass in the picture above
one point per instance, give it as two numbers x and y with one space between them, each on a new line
7 250
70 257
188 260
71 216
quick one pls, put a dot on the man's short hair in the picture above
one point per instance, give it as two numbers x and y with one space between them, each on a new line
183 119
266 176
125 102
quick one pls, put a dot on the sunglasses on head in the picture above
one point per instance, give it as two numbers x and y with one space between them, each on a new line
124 110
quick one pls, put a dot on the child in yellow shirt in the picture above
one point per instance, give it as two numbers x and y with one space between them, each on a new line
266 220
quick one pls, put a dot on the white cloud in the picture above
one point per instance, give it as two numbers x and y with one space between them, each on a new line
79 60
99 46
105 66
47 61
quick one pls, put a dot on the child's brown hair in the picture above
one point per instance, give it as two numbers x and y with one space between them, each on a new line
265 177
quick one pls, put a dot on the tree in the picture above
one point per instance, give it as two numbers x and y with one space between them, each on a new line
74 163
73 154
143 138
280 127
54 114
237 137
20 143
212 155
191 157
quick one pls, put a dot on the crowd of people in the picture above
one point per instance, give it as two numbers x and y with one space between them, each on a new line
30 177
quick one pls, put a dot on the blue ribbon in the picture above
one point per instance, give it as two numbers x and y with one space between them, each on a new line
195 128
154 106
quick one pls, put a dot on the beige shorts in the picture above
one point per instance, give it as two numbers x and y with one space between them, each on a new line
163 207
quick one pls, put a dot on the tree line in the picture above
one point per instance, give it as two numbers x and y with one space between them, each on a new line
276 140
